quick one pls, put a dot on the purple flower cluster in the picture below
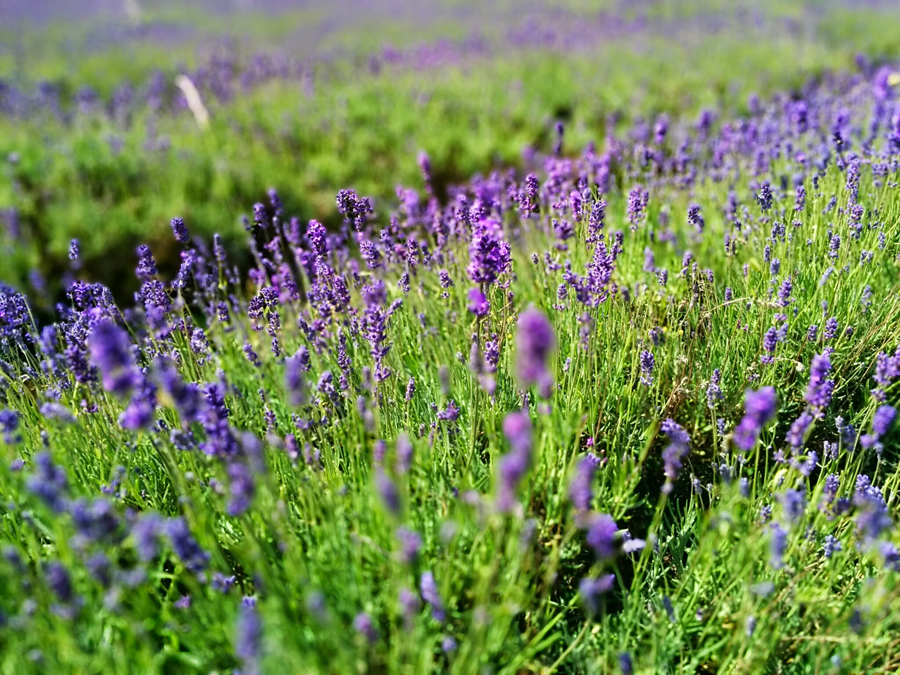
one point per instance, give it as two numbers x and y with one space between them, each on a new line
514 465
820 389
489 254
759 408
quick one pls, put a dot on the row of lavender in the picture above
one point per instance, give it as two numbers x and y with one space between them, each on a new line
417 425
227 72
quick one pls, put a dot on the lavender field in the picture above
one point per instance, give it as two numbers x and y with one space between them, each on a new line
547 337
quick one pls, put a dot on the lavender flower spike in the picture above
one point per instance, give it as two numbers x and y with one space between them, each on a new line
535 341
514 465
432 596
818 393
881 422
111 352
679 446
759 408
478 303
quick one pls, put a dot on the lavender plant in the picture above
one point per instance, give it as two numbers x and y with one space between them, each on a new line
570 420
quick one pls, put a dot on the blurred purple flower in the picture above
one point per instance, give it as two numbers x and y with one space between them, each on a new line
248 636
432 596
535 341
759 408
478 303
602 535
110 350
514 465
678 448
592 589
881 422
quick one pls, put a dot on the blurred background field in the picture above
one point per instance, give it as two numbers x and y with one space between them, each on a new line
97 143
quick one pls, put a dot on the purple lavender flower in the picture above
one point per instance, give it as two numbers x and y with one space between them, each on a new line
110 350
95 520
830 546
750 626
800 200
409 606
535 340
647 363
777 545
489 254
820 388
581 488
764 196
387 490
796 435
770 341
374 322
180 231
146 268
450 413
678 448
793 502
890 554
48 482
478 303
60 582
713 390
432 596
9 423
784 293
637 205
318 237
660 128
807 466
364 625
404 453
887 369
517 429
602 535
881 422
248 636
146 533
241 488
695 218
591 591
514 465
221 583
142 407
295 381
410 543
759 408
872 516
185 546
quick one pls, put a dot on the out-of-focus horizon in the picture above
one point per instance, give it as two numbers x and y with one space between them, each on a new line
312 97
